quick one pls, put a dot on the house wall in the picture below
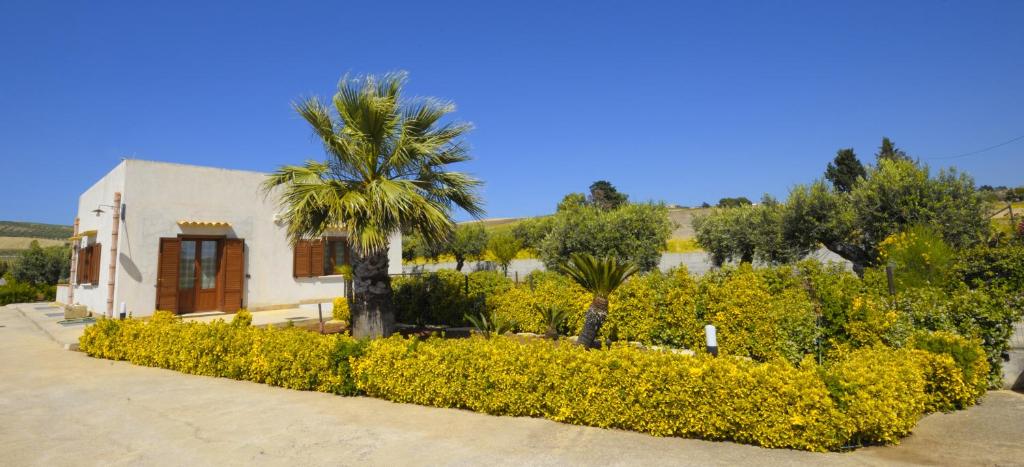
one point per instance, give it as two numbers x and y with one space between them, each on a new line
94 297
157 195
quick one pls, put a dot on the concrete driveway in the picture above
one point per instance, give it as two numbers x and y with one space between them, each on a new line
62 408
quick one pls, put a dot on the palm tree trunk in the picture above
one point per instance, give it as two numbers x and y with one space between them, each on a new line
373 314
592 322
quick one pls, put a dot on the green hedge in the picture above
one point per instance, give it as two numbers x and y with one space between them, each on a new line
20 292
291 358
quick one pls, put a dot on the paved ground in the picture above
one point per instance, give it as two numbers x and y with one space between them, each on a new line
63 408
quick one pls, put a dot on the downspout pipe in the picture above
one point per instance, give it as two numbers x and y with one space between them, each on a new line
112 270
72 276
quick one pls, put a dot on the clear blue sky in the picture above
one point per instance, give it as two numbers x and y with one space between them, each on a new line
681 102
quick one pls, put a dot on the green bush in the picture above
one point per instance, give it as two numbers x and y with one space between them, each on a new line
920 256
633 233
770 404
442 298
20 292
291 358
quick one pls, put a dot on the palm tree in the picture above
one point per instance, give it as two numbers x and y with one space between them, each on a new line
599 276
386 171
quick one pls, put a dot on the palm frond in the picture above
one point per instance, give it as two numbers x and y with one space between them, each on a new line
387 166
599 276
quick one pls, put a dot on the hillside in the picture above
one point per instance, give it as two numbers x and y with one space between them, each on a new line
34 230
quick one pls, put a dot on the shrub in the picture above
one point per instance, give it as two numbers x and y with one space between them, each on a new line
443 297
242 318
753 322
967 384
656 308
920 256
20 292
42 266
521 303
882 392
991 266
340 310
290 358
772 404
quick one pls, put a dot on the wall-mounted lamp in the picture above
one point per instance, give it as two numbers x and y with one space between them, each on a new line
99 209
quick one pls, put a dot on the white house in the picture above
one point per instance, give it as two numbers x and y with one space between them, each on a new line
161 236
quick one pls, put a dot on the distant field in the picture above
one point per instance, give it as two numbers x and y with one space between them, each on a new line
22 243
34 230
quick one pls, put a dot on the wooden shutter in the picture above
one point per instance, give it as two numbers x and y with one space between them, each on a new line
94 264
300 258
167 275
81 269
234 273
316 258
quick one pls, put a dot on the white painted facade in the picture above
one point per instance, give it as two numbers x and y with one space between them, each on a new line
156 195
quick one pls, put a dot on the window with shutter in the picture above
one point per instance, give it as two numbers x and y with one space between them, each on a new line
308 258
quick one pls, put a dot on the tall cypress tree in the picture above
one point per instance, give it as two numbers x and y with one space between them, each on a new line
844 170
888 150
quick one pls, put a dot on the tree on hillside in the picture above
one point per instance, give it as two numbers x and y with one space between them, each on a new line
845 170
604 195
571 201
744 234
893 196
734 202
468 241
504 247
42 266
388 169
634 233
889 151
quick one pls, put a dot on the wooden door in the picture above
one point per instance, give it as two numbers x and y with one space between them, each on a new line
167 275
187 265
207 264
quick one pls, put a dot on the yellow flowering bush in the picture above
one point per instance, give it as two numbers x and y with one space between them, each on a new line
340 310
753 322
881 390
656 308
861 396
771 404
920 255
521 304
957 369
291 358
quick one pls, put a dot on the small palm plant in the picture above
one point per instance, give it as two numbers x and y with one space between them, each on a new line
554 317
490 324
599 276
